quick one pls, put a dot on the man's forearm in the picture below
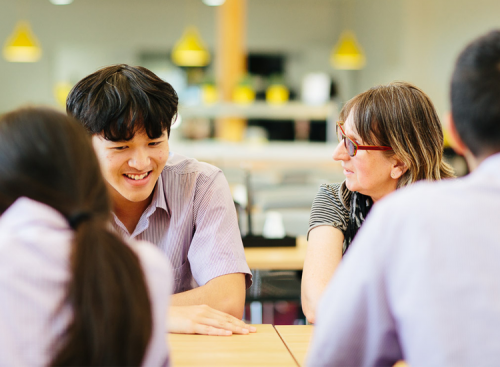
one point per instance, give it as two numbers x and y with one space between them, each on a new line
225 293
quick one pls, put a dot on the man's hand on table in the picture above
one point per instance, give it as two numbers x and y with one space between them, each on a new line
202 319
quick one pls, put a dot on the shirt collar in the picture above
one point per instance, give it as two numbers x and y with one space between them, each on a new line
345 196
490 164
159 199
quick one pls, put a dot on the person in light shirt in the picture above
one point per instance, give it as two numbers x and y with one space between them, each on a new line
421 281
181 205
72 292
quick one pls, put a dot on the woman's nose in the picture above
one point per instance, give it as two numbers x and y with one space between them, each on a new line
340 152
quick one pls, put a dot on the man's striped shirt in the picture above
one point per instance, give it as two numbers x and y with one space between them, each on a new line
192 219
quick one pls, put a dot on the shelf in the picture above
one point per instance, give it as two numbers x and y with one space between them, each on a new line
262 110
274 151
275 154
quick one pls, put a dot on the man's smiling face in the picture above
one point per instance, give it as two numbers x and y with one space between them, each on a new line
131 168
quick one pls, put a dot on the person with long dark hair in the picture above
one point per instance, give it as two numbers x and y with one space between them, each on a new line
72 292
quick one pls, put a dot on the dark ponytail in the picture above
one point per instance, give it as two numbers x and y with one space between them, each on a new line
111 325
48 157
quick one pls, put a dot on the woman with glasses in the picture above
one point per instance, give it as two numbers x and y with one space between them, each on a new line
389 136
72 292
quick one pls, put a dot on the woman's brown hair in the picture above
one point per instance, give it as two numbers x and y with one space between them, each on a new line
46 156
402 116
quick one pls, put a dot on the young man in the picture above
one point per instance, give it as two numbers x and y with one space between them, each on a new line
181 205
422 280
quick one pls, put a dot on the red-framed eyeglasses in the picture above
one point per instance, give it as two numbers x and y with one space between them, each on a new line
351 146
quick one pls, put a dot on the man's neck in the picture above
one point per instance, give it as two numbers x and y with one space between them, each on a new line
129 212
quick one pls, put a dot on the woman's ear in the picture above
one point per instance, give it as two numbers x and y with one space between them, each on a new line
398 168
455 141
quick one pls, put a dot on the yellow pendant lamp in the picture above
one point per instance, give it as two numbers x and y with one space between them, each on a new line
190 51
347 54
22 45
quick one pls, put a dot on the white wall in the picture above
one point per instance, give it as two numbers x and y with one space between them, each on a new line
419 40
414 40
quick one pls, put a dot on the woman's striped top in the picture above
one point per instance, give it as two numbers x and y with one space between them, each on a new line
336 206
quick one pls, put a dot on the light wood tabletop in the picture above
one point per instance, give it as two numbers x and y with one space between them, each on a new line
296 339
277 258
263 348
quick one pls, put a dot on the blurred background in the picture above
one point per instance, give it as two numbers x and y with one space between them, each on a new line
260 81
413 40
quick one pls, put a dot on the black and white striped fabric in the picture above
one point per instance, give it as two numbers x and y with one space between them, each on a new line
336 206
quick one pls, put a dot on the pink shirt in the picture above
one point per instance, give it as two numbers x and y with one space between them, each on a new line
35 243
192 219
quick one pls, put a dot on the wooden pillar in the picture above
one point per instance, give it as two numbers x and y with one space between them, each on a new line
230 62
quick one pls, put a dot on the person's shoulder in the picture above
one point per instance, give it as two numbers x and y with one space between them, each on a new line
395 222
182 165
151 257
158 274
36 234
331 187
26 211
30 221
336 192
424 196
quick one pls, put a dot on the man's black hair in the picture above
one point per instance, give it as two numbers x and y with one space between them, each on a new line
475 95
119 100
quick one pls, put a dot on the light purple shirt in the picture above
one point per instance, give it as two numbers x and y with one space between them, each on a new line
192 219
421 281
35 244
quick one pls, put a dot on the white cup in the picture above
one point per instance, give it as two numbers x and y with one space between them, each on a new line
273 225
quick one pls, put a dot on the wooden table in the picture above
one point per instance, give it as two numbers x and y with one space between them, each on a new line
277 258
296 339
281 345
263 348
